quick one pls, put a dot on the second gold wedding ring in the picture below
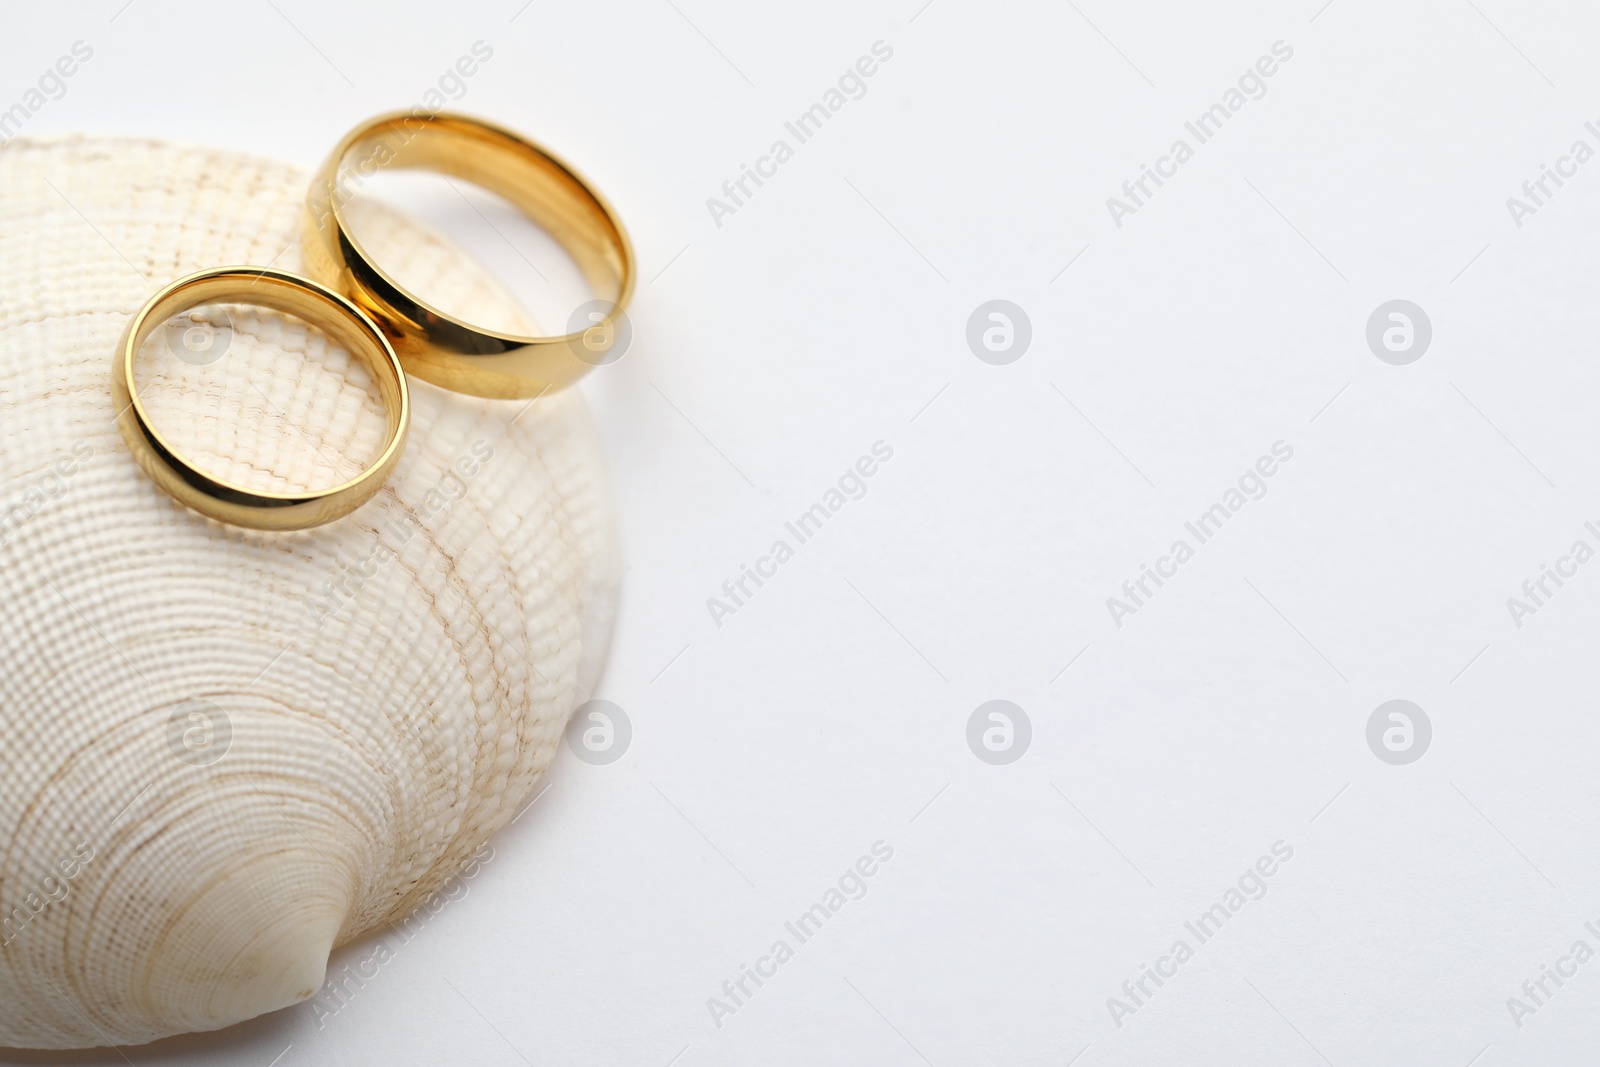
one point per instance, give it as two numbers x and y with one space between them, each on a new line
436 346
292 295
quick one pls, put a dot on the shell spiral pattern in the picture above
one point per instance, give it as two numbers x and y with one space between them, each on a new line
227 752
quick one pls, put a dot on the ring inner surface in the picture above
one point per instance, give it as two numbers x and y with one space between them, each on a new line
283 296
538 185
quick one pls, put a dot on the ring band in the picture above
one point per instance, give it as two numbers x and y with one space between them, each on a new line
293 295
433 345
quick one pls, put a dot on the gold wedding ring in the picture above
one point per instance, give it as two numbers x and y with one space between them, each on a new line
292 295
431 344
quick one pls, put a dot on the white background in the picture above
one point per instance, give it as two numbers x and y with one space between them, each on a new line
1167 755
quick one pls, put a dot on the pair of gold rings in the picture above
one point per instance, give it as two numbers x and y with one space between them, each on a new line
393 331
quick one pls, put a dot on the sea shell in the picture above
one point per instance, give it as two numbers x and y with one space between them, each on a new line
226 751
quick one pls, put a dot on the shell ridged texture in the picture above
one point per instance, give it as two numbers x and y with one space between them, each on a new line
374 736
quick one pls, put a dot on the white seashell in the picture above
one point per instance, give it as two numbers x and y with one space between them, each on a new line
148 888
